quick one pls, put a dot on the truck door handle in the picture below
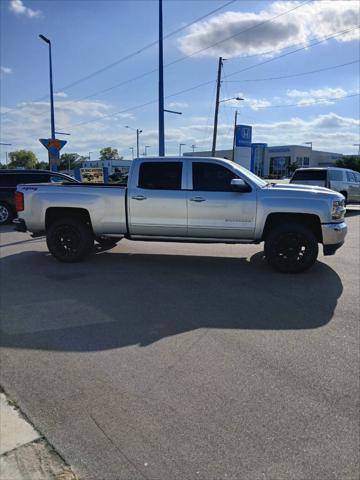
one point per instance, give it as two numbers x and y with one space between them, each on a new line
138 197
197 199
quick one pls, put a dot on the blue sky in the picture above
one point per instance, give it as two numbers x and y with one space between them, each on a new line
87 36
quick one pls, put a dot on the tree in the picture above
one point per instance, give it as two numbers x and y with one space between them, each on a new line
349 161
69 161
42 165
109 153
23 158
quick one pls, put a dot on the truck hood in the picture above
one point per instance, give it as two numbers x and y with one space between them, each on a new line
294 187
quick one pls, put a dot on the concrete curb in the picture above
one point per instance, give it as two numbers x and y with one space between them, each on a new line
24 452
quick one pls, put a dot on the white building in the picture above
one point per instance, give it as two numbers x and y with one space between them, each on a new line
111 165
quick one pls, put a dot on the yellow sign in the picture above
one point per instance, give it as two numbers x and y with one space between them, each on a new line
92 175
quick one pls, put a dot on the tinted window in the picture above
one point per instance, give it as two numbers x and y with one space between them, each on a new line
160 175
34 178
350 177
212 177
336 175
309 175
357 175
8 180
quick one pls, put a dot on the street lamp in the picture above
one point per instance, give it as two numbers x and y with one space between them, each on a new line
145 149
52 114
193 148
181 145
216 120
357 145
137 138
132 152
308 143
90 155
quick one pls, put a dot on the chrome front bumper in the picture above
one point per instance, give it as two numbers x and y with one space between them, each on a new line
333 235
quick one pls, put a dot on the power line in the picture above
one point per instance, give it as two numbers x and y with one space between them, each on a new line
305 47
185 57
212 81
174 61
294 74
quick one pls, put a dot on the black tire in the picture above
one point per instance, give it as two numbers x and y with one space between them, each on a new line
291 248
6 214
69 240
346 197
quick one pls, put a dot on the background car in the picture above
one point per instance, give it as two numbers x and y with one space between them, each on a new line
342 180
9 179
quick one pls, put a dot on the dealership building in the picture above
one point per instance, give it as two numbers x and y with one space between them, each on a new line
271 161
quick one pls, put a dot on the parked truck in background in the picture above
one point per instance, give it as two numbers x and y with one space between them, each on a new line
193 199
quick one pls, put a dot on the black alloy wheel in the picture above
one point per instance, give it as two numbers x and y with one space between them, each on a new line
291 248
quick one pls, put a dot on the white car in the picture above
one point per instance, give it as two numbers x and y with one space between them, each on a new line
342 180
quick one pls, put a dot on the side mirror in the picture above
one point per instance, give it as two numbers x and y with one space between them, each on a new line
239 185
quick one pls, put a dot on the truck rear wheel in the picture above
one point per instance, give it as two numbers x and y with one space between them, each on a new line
69 240
291 248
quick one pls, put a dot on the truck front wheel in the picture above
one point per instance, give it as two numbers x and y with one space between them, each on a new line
291 248
69 240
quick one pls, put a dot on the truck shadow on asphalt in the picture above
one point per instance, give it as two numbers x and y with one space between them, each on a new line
119 299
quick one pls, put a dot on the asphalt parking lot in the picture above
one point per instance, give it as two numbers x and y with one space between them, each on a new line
183 361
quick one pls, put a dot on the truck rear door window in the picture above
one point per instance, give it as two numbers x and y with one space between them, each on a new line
306 175
160 175
210 177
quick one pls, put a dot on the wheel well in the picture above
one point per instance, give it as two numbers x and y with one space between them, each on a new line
55 213
344 193
276 219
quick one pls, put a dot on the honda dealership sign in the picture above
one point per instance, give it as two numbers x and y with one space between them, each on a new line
243 134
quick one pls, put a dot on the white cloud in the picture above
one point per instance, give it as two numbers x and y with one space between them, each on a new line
18 7
253 103
60 94
315 20
328 95
27 123
5 70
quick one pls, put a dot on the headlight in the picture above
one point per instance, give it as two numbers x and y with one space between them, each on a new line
338 209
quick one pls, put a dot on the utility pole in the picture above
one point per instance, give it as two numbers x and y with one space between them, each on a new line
137 142
52 114
218 85
6 153
161 86
234 138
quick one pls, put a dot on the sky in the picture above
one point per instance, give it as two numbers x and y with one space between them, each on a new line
295 64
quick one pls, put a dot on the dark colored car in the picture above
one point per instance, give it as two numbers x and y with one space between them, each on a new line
9 179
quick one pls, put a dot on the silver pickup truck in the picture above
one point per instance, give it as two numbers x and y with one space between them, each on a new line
193 199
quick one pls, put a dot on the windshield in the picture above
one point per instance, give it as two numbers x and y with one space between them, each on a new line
246 173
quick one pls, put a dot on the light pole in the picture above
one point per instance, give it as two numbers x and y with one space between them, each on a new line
90 156
239 99
193 148
308 143
180 146
357 145
52 114
132 152
145 149
138 131
6 153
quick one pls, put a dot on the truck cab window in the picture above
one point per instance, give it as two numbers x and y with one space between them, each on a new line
211 177
160 175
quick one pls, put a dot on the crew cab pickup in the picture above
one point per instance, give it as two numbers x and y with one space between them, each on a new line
187 199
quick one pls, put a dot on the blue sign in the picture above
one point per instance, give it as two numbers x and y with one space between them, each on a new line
243 134
53 145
